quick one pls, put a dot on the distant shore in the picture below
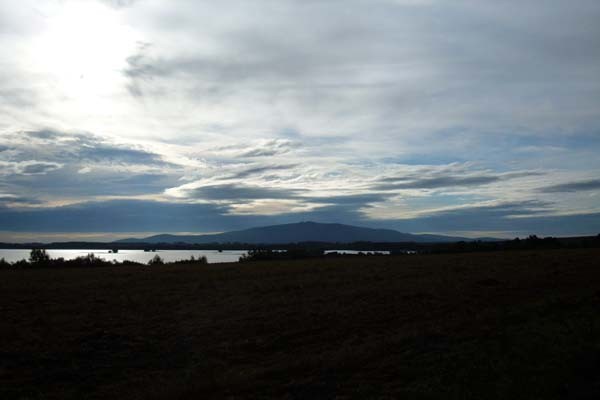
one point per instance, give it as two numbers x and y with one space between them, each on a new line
530 242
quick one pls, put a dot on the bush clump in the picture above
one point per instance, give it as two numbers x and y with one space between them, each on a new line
156 260
192 261
39 257
291 254
89 260
4 263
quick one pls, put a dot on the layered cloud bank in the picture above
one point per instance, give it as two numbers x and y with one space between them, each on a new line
423 116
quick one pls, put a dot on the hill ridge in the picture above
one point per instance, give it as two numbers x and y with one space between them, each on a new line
305 231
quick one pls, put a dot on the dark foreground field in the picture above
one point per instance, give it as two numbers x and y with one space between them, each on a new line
520 325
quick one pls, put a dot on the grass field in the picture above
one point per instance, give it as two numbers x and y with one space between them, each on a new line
511 325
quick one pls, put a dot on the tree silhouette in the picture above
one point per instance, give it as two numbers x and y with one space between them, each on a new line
39 256
156 261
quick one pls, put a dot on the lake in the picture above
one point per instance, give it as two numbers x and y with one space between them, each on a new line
141 256
212 256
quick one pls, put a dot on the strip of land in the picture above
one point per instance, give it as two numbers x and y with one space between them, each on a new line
497 325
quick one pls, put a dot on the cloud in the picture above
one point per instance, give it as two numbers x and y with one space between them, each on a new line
94 148
384 108
51 146
29 167
259 148
150 216
46 134
270 148
513 218
587 185
231 192
153 216
11 199
350 200
37 168
115 154
260 169
379 68
498 209
454 175
440 182
120 3
81 165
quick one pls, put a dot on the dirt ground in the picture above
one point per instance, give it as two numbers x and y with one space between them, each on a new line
504 325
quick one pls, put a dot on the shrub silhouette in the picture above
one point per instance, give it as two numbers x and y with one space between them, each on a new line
89 260
156 261
192 261
290 254
39 256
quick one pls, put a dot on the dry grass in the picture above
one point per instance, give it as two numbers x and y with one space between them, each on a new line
466 326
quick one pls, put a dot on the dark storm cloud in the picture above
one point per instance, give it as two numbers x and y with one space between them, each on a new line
592 184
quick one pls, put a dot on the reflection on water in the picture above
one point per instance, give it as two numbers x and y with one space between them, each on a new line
141 256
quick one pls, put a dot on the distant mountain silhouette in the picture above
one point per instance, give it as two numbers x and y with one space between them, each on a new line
299 232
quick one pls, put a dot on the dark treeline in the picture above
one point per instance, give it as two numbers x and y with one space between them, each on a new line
532 242
290 254
305 250
299 253
39 258
529 243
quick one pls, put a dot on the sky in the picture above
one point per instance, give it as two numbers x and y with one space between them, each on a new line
133 117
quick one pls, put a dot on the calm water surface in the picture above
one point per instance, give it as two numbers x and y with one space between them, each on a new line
213 256
141 256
